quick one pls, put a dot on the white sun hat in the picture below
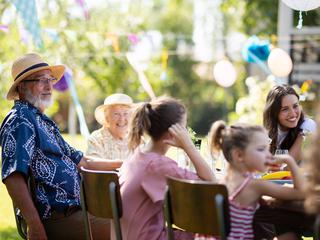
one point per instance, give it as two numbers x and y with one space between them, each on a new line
113 99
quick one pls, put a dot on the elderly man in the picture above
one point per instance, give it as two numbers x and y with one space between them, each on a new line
32 146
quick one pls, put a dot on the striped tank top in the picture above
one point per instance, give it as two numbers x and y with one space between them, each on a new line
241 217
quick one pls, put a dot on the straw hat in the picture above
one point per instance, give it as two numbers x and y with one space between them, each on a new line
113 99
27 65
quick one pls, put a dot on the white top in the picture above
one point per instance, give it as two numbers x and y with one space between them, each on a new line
102 144
308 126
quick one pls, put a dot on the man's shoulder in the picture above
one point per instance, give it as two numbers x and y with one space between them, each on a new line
18 114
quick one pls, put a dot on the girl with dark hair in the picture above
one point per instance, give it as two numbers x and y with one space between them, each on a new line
285 121
246 148
143 176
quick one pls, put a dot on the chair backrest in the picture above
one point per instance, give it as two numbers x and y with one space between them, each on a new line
20 221
197 207
317 227
100 196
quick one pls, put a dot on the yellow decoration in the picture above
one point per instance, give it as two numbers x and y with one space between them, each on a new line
305 86
164 59
276 175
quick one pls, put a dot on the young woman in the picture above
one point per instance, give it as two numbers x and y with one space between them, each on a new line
285 121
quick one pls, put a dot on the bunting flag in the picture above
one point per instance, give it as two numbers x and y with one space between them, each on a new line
82 121
4 28
133 38
84 8
305 86
142 77
53 34
164 64
115 41
24 36
28 12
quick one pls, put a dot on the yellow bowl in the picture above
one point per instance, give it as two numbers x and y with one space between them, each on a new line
276 175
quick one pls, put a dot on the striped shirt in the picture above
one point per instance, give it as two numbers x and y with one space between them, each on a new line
241 217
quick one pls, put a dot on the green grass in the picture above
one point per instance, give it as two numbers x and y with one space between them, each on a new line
7 222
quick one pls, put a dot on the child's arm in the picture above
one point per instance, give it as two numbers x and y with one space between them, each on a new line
271 189
296 174
183 140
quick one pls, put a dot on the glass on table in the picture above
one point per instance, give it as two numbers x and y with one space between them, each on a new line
282 152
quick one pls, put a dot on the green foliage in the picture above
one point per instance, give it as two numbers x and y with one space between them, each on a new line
249 108
99 70
253 17
310 18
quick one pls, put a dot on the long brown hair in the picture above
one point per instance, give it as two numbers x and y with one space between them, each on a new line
222 137
154 118
271 113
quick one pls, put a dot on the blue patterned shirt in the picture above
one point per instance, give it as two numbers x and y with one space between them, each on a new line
32 144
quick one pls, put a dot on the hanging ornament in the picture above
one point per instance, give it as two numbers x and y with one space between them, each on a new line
224 73
133 38
302 5
279 62
164 64
114 41
4 28
256 50
305 86
62 84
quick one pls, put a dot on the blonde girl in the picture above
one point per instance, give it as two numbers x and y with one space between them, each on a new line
246 148
143 176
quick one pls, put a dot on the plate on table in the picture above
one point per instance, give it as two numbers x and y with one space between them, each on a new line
280 175
286 181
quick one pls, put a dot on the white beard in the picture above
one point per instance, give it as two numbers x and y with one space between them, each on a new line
37 101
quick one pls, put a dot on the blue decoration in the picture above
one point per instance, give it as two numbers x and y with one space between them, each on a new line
28 12
68 79
163 75
256 49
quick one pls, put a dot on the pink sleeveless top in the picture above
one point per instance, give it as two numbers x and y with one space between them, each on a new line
241 217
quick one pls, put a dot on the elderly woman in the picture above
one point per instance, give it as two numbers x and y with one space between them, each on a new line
109 143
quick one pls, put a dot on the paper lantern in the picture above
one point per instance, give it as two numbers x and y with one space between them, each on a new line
279 62
224 73
302 5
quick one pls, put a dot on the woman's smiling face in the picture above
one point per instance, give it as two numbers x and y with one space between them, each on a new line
290 112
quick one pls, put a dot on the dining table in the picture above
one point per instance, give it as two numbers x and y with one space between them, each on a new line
275 217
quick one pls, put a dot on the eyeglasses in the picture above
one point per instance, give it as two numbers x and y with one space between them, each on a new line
41 81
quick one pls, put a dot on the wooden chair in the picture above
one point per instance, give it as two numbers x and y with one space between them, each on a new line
100 196
20 221
317 227
197 207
